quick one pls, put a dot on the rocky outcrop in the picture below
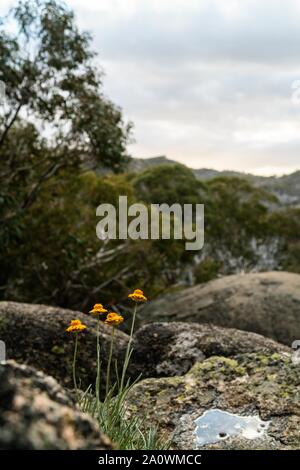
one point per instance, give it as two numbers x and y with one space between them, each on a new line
37 413
252 384
264 303
35 335
169 349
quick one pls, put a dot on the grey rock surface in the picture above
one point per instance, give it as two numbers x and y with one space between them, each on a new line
265 303
249 384
35 335
37 413
170 349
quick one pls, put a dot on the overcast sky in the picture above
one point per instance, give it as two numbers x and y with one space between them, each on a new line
206 82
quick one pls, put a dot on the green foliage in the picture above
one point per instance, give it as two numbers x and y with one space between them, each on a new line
46 204
47 66
235 211
48 70
291 258
207 270
50 187
286 223
236 215
167 184
57 259
62 221
59 244
127 432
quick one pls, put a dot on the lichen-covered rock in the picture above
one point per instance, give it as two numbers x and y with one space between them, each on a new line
37 413
168 349
35 335
265 303
263 385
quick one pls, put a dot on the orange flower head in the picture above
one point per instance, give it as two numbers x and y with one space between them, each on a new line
76 326
114 319
138 296
98 309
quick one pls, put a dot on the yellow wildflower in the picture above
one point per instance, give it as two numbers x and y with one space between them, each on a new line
76 326
138 296
113 319
98 309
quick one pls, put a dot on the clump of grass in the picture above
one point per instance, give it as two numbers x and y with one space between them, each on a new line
126 431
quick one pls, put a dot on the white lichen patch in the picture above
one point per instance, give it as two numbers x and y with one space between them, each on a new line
216 425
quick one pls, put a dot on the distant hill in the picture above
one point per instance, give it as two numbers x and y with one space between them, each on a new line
286 188
141 164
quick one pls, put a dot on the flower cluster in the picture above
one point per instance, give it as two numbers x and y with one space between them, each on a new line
137 296
98 309
113 319
76 326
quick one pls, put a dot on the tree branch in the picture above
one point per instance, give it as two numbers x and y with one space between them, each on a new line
30 198
10 124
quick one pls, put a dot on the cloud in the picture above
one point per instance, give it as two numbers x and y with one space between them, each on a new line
168 31
206 82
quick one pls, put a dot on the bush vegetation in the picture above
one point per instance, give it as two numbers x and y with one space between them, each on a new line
50 187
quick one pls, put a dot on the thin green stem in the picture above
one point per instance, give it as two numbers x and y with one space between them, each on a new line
98 363
128 349
132 326
109 360
74 365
